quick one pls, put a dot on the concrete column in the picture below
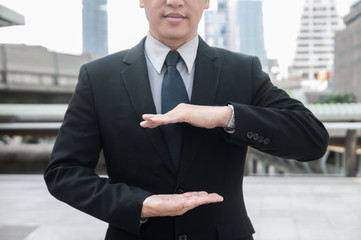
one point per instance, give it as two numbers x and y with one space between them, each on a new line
351 145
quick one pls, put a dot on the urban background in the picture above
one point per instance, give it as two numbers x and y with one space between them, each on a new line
310 48
320 66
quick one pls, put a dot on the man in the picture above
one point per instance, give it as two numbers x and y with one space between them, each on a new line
154 191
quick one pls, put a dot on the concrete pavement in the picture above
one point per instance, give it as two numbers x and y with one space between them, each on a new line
316 208
281 208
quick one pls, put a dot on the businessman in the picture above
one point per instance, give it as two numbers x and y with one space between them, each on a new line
174 118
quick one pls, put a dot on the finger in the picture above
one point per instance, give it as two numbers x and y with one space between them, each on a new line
148 124
195 202
190 194
201 194
216 197
209 198
164 119
148 117
201 199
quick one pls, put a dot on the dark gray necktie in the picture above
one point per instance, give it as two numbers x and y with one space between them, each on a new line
173 93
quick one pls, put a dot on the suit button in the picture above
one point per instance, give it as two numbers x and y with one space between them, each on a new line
266 141
255 136
250 135
180 191
260 139
183 237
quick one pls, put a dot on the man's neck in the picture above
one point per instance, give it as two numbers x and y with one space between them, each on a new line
173 44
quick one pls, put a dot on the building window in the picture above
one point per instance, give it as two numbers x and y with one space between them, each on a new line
320 16
301 59
305 75
319 23
323 52
319 9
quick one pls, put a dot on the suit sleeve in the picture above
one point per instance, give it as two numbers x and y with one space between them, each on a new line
277 124
70 176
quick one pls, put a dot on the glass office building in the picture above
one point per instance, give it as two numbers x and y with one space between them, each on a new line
237 25
248 27
217 26
95 27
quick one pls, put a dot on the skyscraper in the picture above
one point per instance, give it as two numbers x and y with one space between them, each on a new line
315 42
238 26
217 26
247 24
347 76
95 27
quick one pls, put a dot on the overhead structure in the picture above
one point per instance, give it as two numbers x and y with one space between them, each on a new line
9 17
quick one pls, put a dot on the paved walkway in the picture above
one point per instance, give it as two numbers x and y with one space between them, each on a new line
281 208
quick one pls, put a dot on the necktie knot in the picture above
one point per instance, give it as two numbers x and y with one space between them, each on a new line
172 58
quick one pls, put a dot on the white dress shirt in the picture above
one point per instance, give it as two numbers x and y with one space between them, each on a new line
156 53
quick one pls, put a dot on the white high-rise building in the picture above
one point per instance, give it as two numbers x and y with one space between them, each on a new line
315 42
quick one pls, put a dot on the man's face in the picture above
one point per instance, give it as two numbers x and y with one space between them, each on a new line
173 22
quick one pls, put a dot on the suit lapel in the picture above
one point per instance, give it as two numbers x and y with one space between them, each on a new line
204 91
206 76
205 86
136 81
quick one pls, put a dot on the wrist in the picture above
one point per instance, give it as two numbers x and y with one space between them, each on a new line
230 128
145 210
226 116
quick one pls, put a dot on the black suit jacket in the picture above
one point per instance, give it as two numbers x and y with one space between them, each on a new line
105 112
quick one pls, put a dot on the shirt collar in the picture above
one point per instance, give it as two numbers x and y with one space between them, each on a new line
157 52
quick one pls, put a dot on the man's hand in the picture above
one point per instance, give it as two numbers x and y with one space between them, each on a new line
176 204
198 116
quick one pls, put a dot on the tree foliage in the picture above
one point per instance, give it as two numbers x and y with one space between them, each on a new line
338 98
